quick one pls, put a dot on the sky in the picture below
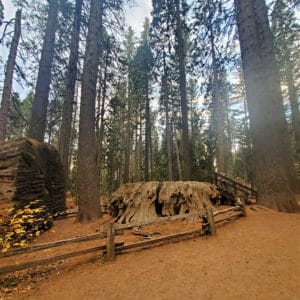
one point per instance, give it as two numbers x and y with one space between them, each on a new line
9 9
135 16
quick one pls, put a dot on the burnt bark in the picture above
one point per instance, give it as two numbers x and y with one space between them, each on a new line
37 126
66 125
274 168
9 72
88 190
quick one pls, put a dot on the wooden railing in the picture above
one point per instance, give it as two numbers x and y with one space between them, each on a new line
227 184
110 230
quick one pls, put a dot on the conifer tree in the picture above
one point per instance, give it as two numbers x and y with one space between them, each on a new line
273 163
38 120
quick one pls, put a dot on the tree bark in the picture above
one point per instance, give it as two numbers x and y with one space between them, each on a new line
37 126
102 112
219 110
9 72
165 96
292 92
88 190
180 177
66 125
147 133
183 95
274 169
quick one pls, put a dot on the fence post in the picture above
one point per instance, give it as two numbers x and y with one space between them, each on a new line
110 242
242 205
211 222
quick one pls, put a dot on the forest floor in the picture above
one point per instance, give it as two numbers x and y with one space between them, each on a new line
256 257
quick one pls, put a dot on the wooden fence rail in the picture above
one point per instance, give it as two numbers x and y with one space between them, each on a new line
35 248
111 230
237 185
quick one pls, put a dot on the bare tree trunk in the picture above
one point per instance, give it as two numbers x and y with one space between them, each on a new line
165 96
292 91
101 128
37 126
178 157
66 125
219 116
147 135
140 165
183 95
128 139
1 12
74 136
88 189
274 168
9 72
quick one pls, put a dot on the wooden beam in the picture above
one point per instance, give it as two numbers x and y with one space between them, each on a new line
211 222
32 264
167 238
234 182
219 212
110 243
58 243
230 218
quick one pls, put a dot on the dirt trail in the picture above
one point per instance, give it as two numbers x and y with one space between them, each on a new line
257 257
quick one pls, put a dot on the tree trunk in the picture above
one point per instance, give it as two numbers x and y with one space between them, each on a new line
178 157
128 139
147 134
219 116
9 72
37 126
66 125
101 128
292 92
274 169
183 95
165 96
88 190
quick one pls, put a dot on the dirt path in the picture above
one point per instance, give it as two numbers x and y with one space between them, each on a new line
257 257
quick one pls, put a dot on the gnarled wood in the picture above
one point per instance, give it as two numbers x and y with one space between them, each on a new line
143 202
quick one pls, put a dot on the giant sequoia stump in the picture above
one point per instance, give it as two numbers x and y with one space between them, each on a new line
144 201
30 170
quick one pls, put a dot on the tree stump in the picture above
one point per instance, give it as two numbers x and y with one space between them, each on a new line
30 170
144 201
